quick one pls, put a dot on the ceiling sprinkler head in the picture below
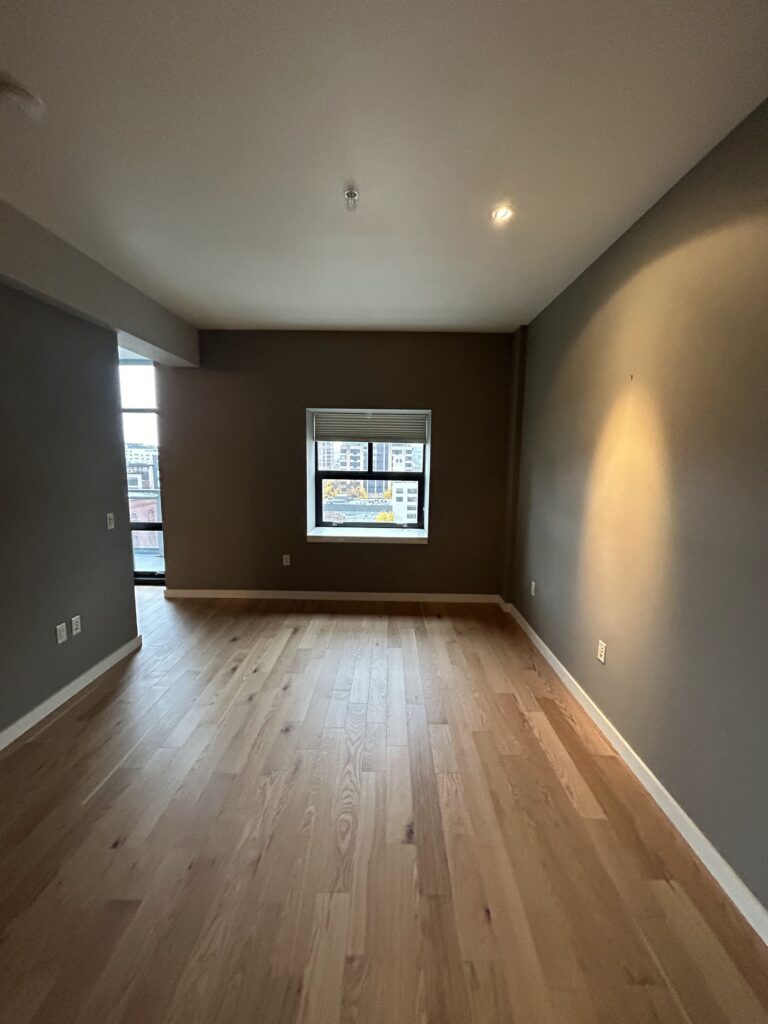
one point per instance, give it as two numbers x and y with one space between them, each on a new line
13 92
351 195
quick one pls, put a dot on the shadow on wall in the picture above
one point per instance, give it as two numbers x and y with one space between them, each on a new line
728 187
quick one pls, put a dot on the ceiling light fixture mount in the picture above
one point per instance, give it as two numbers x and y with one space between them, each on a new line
351 196
502 214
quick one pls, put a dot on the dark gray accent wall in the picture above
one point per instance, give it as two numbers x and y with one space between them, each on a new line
61 470
233 458
643 510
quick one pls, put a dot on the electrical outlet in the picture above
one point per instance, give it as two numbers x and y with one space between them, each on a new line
286 560
110 520
533 588
77 626
601 651
61 633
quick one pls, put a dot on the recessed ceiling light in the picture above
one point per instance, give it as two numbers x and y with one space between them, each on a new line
502 213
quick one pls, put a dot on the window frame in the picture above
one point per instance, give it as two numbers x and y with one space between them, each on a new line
144 576
321 475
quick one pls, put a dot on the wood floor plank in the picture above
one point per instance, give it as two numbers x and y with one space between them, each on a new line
443 754
434 877
324 976
295 811
400 827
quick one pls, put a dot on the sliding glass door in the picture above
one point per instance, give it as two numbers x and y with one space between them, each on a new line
137 388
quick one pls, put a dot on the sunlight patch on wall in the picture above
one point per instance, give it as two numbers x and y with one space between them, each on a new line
626 526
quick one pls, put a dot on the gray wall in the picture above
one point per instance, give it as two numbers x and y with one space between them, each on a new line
61 470
232 438
643 511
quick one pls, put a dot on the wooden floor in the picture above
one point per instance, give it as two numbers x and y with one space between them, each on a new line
320 813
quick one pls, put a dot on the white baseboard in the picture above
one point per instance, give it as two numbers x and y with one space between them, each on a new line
337 595
37 714
742 897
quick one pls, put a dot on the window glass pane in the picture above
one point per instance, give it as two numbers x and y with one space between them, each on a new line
141 466
343 455
148 551
137 386
398 457
140 428
370 501
144 506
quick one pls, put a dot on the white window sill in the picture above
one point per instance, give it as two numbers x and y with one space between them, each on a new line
353 535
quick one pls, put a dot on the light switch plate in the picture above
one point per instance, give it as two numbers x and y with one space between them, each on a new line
601 651
61 633
110 520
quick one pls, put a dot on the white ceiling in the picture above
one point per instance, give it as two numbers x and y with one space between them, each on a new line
200 149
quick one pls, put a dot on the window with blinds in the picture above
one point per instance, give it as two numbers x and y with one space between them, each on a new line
386 425
370 468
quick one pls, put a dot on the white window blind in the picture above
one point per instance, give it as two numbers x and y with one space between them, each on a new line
410 426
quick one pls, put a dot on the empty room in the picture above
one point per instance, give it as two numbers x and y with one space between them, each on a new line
384 512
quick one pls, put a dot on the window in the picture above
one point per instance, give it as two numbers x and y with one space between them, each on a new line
137 390
367 474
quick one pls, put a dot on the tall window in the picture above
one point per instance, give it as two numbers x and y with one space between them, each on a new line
370 469
137 389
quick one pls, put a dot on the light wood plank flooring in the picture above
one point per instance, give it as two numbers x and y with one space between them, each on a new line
332 813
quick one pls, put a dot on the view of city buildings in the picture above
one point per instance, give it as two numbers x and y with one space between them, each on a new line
141 466
143 475
378 500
